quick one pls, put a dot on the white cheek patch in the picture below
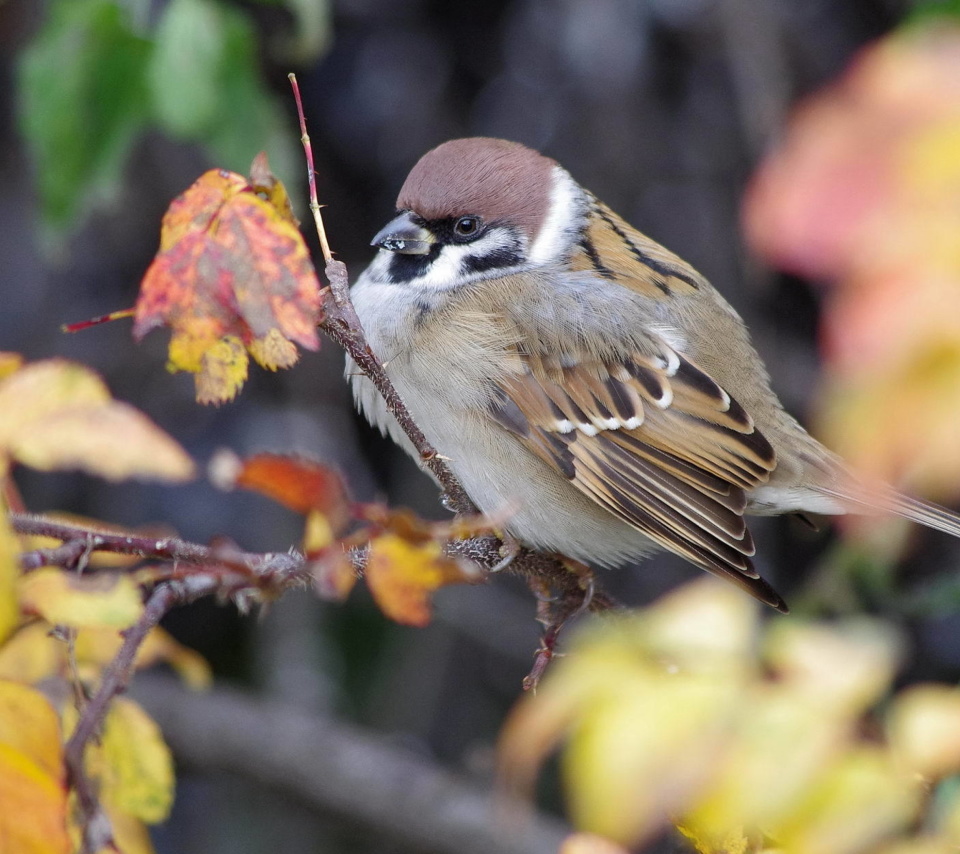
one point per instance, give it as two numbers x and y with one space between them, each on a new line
451 268
563 221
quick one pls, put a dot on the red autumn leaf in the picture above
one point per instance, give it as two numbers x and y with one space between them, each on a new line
305 487
232 272
298 483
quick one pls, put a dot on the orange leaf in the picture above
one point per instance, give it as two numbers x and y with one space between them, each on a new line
401 576
33 798
232 262
296 482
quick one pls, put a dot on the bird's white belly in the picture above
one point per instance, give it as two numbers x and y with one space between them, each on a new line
544 509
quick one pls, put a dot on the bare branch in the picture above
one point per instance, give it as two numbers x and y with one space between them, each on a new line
262 569
97 833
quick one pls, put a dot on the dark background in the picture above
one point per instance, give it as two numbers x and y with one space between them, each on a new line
661 107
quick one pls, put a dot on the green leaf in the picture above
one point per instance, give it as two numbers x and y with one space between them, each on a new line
185 69
82 103
313 30
250 118
927 11
206 86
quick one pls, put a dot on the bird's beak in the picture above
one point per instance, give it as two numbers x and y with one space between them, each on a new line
405 236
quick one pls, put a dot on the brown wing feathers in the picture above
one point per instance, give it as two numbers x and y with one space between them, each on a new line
654 440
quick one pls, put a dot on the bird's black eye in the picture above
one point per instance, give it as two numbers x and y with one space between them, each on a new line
467 227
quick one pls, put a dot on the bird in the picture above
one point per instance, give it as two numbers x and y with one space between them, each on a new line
574 370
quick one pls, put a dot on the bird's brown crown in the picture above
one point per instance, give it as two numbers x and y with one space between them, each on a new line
494 179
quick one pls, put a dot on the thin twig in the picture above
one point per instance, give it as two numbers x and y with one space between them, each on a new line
260 568
97 832
311 172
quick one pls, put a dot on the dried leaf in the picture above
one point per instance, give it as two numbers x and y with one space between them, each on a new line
223 370
232 263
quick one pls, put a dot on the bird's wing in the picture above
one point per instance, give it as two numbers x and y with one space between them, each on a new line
653 439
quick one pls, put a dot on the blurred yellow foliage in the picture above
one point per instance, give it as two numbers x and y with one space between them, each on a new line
748 740
864 192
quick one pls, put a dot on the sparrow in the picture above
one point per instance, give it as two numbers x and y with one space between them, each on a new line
576 371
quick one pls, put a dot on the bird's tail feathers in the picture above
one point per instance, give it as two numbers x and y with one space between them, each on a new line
887 500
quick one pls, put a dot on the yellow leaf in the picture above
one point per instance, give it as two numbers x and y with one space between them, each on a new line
401 576
114 441
42 389
844 667
859 802
33 807
9 573
31 654
636 754
58 415
129 832
33 801
137 768
223 371
645 704
589 843
728 842
922 845
776 753
28 723
273 351
9 363
104 599
317 533
924 730
98 646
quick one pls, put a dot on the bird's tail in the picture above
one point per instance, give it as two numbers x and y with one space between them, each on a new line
884 499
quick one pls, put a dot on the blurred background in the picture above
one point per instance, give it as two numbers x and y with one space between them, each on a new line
661 107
